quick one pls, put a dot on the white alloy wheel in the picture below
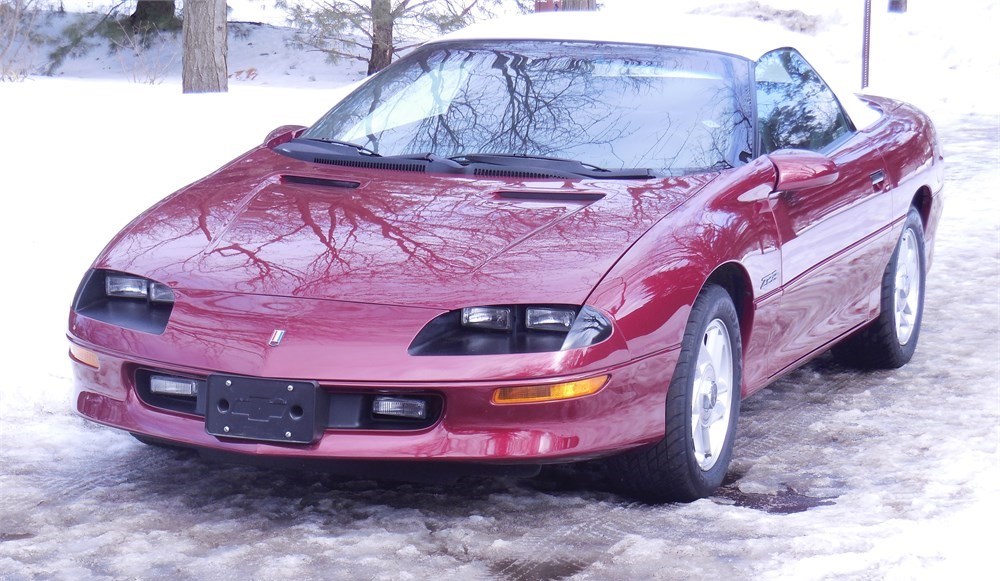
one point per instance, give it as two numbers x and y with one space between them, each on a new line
711 396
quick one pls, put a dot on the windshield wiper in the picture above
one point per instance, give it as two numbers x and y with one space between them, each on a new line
556 164
503 157
360 148
336 152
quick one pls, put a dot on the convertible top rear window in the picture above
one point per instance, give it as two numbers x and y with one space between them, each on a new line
609 106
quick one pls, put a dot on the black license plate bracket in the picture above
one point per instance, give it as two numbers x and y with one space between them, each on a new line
267 410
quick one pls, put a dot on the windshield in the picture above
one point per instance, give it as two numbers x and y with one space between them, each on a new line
608 106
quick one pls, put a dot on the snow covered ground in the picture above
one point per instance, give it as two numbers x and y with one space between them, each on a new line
837 474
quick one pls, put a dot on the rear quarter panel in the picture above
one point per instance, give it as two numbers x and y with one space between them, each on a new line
908 141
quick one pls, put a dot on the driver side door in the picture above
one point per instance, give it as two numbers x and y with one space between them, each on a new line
832 238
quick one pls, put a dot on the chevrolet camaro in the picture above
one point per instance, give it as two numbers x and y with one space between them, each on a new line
544 242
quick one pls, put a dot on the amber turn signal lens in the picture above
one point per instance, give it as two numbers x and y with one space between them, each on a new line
85 356
557 391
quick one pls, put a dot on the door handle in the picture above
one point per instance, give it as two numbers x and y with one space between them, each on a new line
878 180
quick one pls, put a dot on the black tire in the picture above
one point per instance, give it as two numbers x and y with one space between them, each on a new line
672 469
884 344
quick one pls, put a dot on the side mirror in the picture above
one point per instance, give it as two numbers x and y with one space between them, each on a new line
282 134
799 169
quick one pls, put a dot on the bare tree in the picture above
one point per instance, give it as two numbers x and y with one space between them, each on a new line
578 5
16 20
373 31
205 48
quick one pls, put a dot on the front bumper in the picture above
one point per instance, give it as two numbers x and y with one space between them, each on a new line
627 412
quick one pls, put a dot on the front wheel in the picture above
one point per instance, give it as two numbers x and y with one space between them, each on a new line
890 340
703 403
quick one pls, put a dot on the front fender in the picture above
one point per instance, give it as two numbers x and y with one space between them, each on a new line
651 289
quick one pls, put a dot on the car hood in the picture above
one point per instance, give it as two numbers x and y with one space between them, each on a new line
270 225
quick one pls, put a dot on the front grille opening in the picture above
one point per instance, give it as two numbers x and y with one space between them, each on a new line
177 403
355 411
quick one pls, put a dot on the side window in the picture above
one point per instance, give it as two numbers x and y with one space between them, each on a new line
795 108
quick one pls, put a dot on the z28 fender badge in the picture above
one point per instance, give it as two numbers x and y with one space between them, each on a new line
768 280
276 337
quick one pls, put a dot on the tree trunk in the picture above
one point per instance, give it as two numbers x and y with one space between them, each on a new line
381 36
578 5
159 13
205 49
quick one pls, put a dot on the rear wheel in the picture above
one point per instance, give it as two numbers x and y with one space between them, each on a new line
890 340
702 409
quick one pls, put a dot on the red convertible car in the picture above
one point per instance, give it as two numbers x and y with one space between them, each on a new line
517 246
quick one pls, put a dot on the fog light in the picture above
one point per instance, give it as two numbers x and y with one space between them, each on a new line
164 385
558 391
400 407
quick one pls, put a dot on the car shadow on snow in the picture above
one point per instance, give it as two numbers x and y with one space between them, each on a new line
252 487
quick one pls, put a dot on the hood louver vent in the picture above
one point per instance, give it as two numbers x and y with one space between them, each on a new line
551 196
507 173
371 164
323 182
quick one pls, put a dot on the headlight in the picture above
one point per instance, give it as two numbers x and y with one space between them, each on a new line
116 285
497 329
133 287
549 319
497 318
125 300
